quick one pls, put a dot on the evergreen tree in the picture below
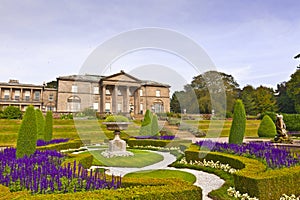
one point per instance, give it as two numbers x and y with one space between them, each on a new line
27 135
248 98
146 124
40 123
293 89
237 130
285 104
48 126
154 126
267 127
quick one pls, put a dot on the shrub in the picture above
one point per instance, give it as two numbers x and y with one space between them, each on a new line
292 122
267 127
154 125
27 135
12 112
48 126
238 126
146 124
40 124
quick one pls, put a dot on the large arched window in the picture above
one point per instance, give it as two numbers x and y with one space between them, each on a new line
158 106
73 104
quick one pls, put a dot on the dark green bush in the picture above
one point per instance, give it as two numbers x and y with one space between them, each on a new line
11 112
238 127
148 142
48 126
267 127
40 124
27 135
292 122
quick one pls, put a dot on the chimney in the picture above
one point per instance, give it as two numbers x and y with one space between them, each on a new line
14 81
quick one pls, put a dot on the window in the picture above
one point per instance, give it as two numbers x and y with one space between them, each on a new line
95 106
119 108
17 95
37 95
73 104
141 108
6 94
74 88
27 95
141 92
107 107
51 97
107 91
157 93
96 90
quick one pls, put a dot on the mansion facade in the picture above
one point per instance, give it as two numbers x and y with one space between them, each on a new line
118 93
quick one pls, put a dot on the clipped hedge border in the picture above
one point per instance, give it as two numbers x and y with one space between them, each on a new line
133 188
85 159
253 177
156 143
72 144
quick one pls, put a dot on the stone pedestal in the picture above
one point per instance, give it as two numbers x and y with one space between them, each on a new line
117 146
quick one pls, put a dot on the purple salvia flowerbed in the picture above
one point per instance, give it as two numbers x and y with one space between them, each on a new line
54 141
273 156
42 173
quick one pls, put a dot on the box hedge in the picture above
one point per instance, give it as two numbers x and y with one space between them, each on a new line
72 144
253 177
133 188
291 120
148 142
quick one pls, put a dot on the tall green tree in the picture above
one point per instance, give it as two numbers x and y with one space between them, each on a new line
27 135
174 103
40 123
154 126
213 86
285 104
48 126
238 127
293 89
265 100
248 98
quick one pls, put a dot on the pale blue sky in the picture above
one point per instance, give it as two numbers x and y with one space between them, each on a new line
254 40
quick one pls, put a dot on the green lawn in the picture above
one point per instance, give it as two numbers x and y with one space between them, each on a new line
163 174
140 159
93 129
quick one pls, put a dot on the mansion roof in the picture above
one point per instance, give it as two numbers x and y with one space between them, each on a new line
98 78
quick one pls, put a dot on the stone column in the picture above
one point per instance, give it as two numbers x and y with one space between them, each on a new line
114 99
103 99
126 100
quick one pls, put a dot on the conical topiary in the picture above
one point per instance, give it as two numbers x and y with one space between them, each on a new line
40 123
48 126
267 127
238 127
154 126
146 124
27 135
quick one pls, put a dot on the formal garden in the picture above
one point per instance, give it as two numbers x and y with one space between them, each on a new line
75 157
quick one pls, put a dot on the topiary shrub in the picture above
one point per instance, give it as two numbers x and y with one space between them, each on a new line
40 124
146 124
267 127
238 127
48 126
27 135
12 112
154 126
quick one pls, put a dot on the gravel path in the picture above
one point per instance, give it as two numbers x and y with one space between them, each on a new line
206 181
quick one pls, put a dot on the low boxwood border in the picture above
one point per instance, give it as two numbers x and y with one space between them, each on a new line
71 144
133 188
253 177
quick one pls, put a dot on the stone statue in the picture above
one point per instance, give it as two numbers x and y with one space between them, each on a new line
280 129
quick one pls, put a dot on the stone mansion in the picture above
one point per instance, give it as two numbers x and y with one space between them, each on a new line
117 93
